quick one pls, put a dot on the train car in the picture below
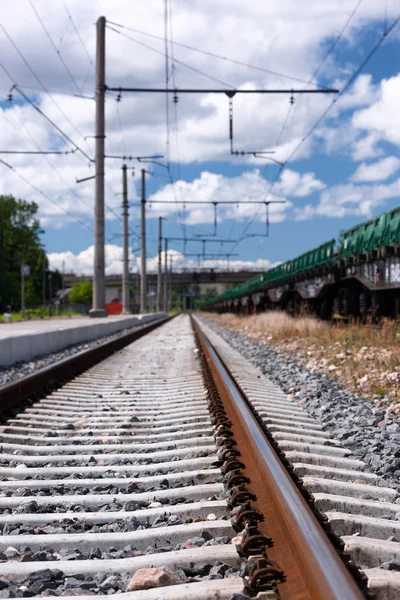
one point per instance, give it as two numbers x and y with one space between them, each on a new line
357 277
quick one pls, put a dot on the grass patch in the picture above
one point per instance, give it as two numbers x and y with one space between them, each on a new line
365 358
41 313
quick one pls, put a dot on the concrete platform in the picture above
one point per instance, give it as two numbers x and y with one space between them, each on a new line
25 340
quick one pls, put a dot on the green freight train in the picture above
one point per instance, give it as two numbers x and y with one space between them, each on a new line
360 276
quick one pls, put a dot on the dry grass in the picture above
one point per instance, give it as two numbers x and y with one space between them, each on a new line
275 325
365 358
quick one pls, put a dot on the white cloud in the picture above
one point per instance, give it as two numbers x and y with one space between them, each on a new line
350 199
366 147
264 37
249 187
381 118
245 191
82 262
298 184
378 171
363 93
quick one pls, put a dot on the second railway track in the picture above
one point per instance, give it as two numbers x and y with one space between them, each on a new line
172 455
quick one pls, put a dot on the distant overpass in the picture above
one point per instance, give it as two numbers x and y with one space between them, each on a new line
186 284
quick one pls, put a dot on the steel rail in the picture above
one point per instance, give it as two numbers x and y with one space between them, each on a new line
52 376
312 566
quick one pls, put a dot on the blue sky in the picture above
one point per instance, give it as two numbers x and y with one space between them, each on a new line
345 172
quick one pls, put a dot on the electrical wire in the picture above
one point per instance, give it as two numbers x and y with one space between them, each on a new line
293 106
64 135
48 93
166 77
63 36
92 66
81 43
167 56
24 60
58 52
280 134
175 117
179 62
72 191
60 131
167 116
25 127
123 143
39 191
59 93
329 52
349 82
213 54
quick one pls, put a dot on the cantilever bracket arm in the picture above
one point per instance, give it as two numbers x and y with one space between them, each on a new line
85 179
255 153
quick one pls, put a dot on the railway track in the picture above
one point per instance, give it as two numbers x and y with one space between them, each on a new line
154 468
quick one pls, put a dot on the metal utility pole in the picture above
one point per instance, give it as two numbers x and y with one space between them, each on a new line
159 274
165 299
125 243
98 306
44 280
50 295
143 279
23 290
170 284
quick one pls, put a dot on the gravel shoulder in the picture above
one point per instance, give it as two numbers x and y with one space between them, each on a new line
371 432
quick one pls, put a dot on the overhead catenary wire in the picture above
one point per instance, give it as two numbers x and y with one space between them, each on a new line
53 167
294 105
39 191
25 127
42 152
64 135
123 143
175 60
82 43
167 116
63 35
214 55
43 114
349 82
57 92
58 52
331 48
175 100
176 119
42 86
280 133
166 78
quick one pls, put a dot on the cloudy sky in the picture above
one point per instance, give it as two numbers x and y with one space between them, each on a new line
338 170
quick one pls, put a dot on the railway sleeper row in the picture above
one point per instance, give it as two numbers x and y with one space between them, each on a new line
118 470
135 475
359 512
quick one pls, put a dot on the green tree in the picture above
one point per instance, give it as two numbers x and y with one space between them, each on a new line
20 243
81 292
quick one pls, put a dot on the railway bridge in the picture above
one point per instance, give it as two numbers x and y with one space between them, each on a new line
187 286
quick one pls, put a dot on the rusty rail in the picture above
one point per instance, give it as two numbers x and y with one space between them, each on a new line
299 545
15 394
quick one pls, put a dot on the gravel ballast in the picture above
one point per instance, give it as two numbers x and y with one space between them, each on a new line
18 370
371 433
